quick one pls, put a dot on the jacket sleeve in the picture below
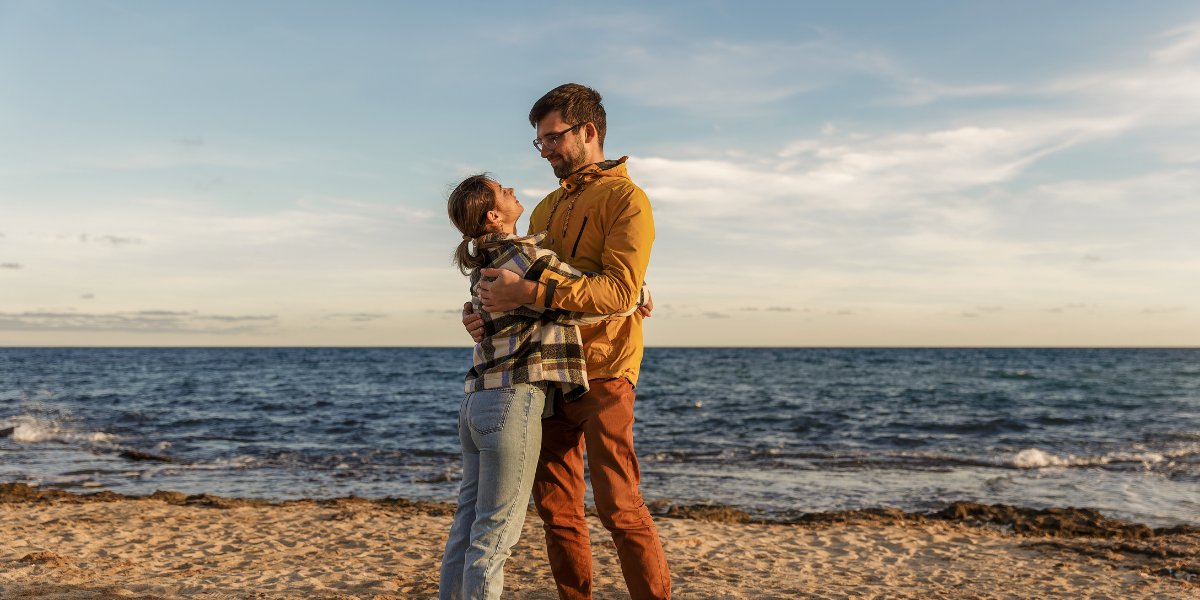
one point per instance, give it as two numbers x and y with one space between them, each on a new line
624 260
567 317
544 261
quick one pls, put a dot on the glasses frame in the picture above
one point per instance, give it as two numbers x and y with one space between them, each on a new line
552 141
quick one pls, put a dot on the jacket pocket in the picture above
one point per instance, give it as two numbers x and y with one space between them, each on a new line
489 409
598 342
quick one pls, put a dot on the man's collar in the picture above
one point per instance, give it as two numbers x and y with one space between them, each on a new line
575 180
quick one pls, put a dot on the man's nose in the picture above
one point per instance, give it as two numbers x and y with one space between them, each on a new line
547 151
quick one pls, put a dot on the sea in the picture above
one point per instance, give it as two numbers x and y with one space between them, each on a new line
776 432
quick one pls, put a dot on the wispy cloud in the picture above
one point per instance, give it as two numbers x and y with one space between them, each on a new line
1160 310
363 316
10 265
144 321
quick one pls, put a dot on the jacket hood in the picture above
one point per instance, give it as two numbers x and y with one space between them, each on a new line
592 172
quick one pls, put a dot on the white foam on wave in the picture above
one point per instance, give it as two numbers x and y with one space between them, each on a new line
28 429
1035 458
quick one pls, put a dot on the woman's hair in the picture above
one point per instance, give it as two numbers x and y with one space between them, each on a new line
468 206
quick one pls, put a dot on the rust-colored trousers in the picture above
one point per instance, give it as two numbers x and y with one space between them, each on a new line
601 420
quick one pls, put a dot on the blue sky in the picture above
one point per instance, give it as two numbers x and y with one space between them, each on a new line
834 173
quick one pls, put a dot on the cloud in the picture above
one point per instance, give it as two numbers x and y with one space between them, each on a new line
192 142
781 309
114 240
716 315
10 265
110 240
364 316
145 321
1163 310
720 77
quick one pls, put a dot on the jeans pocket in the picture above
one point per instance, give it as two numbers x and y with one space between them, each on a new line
489 410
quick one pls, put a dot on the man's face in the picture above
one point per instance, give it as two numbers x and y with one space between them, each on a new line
569 155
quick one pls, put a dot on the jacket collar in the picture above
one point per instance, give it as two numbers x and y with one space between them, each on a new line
592 172
491 239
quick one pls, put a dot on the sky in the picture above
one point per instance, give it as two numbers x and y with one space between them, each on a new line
821 173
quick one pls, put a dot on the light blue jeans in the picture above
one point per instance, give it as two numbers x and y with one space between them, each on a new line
501 435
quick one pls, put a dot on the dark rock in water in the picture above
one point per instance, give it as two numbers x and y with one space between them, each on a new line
136 455
1177 530
712 514
219 502
436 509
16 492
106 496
875 515
7 431
1048 522
169 497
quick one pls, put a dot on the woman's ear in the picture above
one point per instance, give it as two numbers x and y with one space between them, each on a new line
493 221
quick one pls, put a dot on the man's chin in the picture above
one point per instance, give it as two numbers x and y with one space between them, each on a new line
564 169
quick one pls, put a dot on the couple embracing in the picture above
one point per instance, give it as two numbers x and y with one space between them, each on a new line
557 317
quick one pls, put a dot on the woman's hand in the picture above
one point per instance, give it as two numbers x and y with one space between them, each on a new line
472 322
645 309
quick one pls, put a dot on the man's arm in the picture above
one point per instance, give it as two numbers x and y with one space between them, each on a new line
624 259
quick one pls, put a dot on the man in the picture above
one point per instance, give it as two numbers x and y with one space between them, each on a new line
597 221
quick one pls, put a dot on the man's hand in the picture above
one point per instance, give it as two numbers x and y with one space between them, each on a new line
473 323
646 308
507 292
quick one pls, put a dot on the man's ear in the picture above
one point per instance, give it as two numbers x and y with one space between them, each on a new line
590 133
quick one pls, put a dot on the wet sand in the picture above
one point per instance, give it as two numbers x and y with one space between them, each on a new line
59 546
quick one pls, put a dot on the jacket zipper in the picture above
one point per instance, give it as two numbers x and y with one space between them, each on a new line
578 237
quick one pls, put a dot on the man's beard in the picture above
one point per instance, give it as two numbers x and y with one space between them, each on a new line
573 159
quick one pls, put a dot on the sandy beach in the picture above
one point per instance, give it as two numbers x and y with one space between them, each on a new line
58 546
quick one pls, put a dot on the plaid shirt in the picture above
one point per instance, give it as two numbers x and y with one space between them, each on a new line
530 343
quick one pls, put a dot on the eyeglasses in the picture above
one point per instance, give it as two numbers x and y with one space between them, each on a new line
552 141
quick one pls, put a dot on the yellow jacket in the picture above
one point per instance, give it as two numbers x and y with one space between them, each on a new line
608 229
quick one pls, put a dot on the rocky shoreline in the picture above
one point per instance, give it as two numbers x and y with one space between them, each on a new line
168 545
1029 522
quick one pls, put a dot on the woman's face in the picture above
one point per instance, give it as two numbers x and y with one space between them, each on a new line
507 210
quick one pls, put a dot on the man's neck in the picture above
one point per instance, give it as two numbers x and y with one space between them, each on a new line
592 158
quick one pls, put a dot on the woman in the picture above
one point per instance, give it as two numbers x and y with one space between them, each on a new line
526 355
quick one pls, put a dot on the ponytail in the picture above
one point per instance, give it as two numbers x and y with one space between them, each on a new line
464 260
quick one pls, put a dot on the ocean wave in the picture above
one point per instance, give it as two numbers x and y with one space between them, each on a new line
28 429
1023 459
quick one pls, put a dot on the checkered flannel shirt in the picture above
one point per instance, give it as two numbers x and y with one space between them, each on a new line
531 343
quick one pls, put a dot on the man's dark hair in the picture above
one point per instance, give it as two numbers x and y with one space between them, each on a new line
577 104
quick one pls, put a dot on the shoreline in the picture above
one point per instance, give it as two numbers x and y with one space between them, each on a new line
62 545
1047 522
